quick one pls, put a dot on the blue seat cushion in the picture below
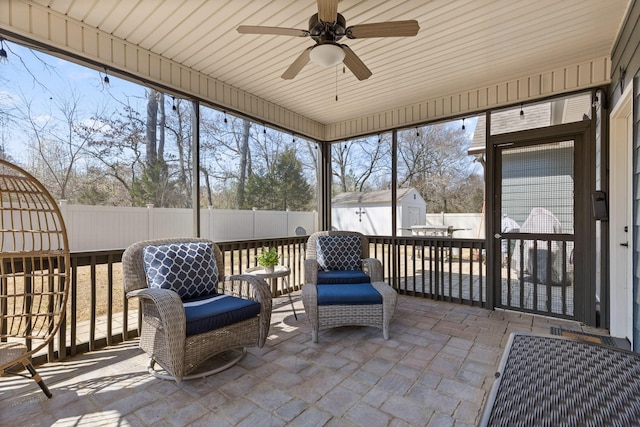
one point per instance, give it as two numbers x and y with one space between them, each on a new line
356 294
206 314
343 277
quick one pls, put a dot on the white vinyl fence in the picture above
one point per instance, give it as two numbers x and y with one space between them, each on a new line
94 228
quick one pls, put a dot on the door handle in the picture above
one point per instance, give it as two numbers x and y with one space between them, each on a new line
497 235
625 244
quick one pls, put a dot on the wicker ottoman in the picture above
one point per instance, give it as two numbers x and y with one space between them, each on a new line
322 316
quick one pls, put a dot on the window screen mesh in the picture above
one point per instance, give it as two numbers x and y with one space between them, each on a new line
539 180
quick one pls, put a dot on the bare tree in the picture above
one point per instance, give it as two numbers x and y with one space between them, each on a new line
244 170
434 160
233 150
178 125
358 164
221 152
121 150
150 155
59 139
151 127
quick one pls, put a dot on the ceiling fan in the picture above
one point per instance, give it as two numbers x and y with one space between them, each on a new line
327 27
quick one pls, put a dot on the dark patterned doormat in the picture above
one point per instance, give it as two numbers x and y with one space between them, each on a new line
544 380
594 338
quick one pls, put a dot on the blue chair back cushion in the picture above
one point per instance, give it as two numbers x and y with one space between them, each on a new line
341 252
206 314
358 294
342 277
187 268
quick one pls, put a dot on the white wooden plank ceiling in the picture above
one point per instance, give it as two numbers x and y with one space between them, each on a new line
461 45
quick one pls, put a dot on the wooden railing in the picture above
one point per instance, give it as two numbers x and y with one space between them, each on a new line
537 275
99 315
439 268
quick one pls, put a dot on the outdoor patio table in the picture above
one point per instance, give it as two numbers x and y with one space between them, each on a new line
431 230
548 380
278 271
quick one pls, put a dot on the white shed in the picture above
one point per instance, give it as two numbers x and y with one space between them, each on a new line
370 212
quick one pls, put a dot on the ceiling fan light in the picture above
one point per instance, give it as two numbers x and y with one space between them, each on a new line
327 54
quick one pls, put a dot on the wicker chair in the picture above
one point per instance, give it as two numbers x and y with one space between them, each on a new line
345 288
34 269
167 334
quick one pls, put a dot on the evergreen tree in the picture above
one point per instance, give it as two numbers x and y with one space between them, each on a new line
284 187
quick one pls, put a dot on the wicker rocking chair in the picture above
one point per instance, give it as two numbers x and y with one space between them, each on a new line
188 320
343 286
34 270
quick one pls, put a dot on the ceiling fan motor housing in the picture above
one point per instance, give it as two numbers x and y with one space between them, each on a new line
323 32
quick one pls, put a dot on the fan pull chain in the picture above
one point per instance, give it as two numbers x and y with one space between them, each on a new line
336 83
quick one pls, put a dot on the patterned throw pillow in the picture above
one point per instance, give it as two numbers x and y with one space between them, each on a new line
187 268
342 252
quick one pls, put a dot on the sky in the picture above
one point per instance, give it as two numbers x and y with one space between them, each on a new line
47 82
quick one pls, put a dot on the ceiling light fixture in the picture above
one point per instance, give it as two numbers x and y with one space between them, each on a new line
327 54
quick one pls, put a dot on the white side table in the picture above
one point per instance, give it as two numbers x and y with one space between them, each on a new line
278 271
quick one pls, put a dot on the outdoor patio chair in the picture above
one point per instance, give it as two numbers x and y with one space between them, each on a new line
190 310
34 271
343 286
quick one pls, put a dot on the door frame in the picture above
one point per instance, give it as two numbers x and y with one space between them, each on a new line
621 258
584 223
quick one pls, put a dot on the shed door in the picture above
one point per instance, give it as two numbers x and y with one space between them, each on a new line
414 217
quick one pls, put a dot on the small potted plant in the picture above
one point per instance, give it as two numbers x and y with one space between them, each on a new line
268 259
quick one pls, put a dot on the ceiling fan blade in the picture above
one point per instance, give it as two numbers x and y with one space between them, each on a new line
383 29
277 31
328 10
354 63
297 65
